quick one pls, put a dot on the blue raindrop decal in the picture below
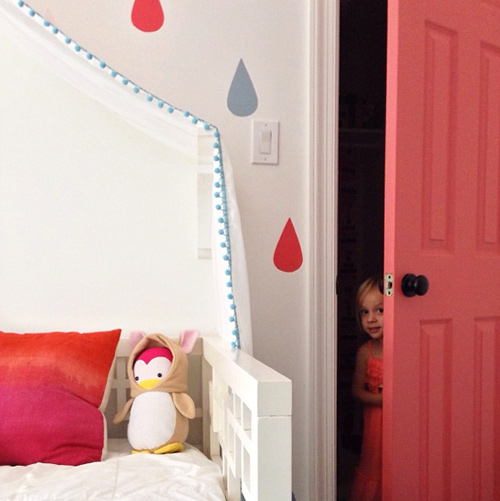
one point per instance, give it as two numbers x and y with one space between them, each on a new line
242 99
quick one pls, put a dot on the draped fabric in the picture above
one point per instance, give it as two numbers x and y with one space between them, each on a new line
178 129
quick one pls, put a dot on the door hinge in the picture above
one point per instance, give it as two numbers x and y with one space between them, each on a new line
389 284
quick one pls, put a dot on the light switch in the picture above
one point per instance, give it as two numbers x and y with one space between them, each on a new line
265 142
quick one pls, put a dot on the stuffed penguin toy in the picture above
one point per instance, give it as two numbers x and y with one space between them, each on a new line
159 406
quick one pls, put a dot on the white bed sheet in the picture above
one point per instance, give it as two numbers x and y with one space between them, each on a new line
185 476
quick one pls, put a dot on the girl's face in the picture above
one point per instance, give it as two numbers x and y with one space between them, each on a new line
372 313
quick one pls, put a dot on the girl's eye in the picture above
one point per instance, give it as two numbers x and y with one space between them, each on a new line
363 312
381 310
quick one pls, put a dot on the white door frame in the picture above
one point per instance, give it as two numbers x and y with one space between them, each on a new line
324 71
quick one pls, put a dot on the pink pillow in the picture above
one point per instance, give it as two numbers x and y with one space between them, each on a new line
53 390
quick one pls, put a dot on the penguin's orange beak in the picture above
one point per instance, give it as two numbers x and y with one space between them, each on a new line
147 384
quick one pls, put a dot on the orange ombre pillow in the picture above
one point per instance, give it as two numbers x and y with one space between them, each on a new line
53 391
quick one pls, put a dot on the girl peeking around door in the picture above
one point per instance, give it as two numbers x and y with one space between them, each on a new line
367 388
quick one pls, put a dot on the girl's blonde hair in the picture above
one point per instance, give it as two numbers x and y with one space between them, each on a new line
364 288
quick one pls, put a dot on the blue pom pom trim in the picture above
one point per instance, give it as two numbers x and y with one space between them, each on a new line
220 196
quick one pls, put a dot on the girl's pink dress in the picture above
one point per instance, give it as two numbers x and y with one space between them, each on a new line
367 484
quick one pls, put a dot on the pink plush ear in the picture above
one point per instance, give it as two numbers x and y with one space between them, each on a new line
134 338
187 339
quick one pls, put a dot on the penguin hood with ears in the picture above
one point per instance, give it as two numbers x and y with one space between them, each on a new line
177 377
176 381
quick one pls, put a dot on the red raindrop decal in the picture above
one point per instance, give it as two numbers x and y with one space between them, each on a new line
288 254
147 15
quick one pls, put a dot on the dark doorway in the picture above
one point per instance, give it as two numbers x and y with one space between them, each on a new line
363 33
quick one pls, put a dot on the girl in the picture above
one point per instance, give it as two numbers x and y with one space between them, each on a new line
367 388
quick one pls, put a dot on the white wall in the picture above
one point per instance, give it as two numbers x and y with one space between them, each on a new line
98 221
191 62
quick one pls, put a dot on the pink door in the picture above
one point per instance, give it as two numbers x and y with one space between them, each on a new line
442 349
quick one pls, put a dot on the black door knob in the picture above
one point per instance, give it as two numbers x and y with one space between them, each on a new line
412 285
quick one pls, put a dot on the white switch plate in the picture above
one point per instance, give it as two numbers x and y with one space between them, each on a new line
265 142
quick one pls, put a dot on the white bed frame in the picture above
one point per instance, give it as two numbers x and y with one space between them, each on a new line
243 418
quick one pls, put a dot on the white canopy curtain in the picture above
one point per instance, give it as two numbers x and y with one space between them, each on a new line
178 129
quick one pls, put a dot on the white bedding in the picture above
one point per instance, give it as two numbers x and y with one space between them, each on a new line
185 476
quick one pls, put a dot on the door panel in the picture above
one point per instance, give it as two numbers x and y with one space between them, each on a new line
441 388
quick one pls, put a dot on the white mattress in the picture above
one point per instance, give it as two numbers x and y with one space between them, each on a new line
185 476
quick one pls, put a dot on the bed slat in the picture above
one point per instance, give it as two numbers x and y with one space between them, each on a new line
250 413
